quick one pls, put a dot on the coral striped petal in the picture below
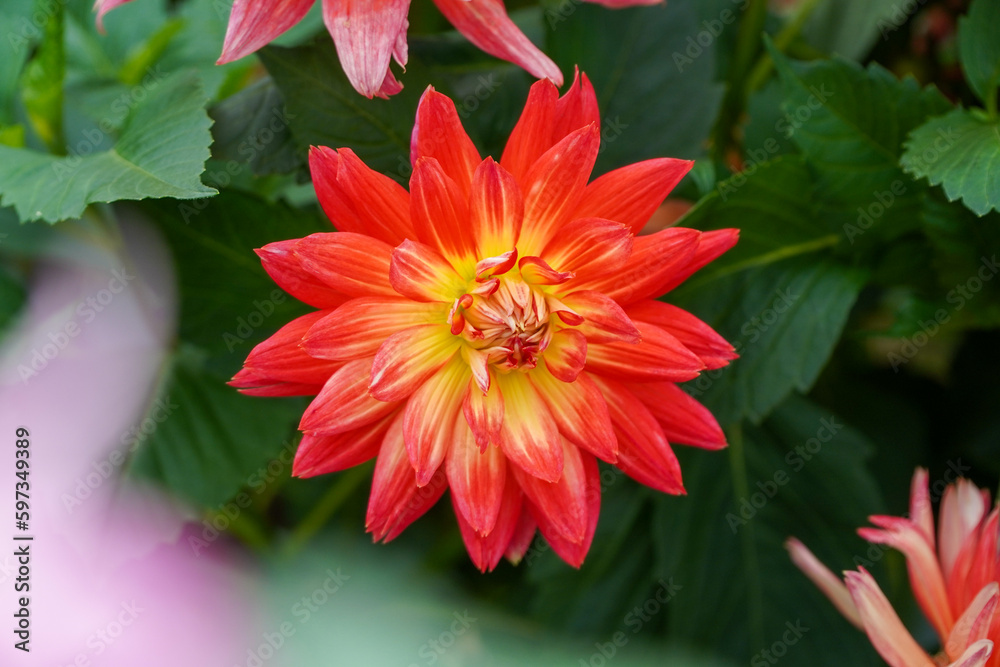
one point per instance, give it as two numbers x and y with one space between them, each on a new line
884 629
575 552
250 384
926 578
476 478
484 413
344 403
358 328
357 198
322 454
254 23
920 509
554 185
695 335
566 354
532 135
281 357
962 510
643 451
710 246
428 427
974 624
976 655
486 551
438 133
485 23
655 261
590 248
529 436
604 321
580 412
684 420
561 507
523 535
365 33
576 109
658 356
353 264
285 268
439 210
406 359
496 209
629 195
419 272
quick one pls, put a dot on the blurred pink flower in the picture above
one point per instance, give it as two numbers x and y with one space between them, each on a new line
953 576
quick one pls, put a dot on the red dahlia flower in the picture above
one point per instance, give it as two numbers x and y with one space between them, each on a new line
954 577
370 33
493 330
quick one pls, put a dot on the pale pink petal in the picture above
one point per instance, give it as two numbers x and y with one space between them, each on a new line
366 33
254 23
831 586
887 633
974 624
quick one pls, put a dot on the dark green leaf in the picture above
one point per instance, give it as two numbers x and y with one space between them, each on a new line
12 295
979 49
851 27
252 127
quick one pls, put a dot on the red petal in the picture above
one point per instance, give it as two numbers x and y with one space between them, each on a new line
344 403
710 246
658 356
631 194
420 272
321 454
252 24
487 551
684 420
694 334
553 186
281 357
656 259
484 413
604 321
359 199
532 135
476 478
285 268
438 133
496 209
579 411
576 109
536 271
439 210
396 500
359 327
253 385
566 354
643 451
523 535
575 552
353 264
428 428
485 23
529 436
406 359
590 248
365 33
560 507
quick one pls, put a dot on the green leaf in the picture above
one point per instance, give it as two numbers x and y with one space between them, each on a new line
851 27
213 241
42 83
19 34
979 50
784 320
160 153
656 93
252 127
802 473
12 295
851 123
208 440
961 152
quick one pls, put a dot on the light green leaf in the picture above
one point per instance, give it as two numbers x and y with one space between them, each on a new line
961 152
209 440
160 152
979 49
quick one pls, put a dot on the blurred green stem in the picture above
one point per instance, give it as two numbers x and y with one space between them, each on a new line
762 70
324 509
